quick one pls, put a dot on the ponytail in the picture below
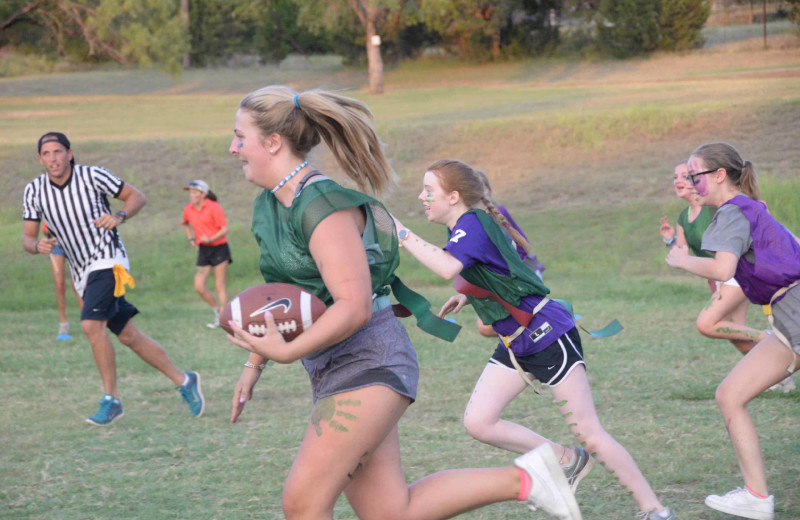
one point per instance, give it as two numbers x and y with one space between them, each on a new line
304 119
748 181
491 208
211 196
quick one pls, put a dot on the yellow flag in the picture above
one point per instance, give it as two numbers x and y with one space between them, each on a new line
122 278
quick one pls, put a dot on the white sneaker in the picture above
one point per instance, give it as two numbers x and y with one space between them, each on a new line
215 323
549 487
666 514
740 502
785 386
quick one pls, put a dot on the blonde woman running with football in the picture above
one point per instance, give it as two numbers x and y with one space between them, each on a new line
340 244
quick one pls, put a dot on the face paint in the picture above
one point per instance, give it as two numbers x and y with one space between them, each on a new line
328 409
702 186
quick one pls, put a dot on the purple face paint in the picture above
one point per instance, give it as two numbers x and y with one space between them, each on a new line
702 186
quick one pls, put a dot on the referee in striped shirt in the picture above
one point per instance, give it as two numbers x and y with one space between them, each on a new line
73 201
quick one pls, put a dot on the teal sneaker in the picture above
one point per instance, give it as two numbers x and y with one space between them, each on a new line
192 395
582 463
110 410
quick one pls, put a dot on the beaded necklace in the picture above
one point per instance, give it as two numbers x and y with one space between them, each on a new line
288 177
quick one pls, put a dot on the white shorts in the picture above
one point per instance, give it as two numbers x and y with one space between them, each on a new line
732 282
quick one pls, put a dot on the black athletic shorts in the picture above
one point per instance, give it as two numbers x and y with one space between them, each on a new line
99 302
213 255
551 365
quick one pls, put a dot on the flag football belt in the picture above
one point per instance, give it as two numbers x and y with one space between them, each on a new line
121 279
524 318
411 303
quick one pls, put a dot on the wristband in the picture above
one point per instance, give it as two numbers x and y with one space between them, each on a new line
253 365
190 239
36 246
670 241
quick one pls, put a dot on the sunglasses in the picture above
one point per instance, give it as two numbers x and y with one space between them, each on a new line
692 177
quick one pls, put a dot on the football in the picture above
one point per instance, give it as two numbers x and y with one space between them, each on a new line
293 308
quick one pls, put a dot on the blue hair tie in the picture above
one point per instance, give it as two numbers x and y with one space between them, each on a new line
295 100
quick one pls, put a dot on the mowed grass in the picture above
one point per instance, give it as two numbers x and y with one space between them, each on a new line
581 153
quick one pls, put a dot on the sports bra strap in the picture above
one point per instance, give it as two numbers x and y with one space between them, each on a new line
305 179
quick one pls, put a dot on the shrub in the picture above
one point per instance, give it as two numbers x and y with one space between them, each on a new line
680 24
627 28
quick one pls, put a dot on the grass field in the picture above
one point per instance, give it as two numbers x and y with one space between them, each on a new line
581 152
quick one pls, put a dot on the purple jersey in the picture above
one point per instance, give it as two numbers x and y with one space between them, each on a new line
470 244
769 255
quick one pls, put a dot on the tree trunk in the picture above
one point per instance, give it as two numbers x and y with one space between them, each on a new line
374 59
187 61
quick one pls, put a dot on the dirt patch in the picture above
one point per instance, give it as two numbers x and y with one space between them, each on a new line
19 114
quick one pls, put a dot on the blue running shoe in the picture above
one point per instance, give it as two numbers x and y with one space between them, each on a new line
192 395
63 331
110 410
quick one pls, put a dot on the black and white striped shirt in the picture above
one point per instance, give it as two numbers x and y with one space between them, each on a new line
69 211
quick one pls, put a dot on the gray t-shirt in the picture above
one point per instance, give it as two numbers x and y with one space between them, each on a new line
729 231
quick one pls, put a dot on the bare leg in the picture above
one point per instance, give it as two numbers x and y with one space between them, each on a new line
440 495
764 366
724 317
57 267
494 391
351 444
220 275
200 278
103 352
574 397
151 352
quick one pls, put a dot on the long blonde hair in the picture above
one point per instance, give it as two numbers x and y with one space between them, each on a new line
741 173
304 119
473 187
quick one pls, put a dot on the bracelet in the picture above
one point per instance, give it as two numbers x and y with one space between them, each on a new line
253 365
36 246
669 241
190 239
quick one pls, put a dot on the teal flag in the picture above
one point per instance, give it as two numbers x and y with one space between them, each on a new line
611 329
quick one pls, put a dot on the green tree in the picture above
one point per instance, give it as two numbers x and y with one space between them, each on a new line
794 11
533 27
146 32
141 32
628 28
680 24
380 21
467 26
266 29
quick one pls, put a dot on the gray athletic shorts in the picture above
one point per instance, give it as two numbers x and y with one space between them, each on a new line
380 353
786 316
